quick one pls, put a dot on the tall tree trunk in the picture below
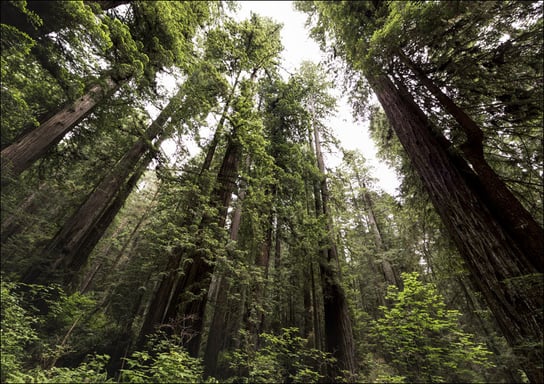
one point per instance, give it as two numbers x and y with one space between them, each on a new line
503 273
262 260
107 219
21 154
387 269
502 203
388 272
318 338
338 329
196 278
111 212
72 244
197 274
218 326
307 331
170 287
475 310
220 128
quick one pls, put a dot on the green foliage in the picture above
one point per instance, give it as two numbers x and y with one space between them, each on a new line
280 358
16 331
164 30
92 371
164 361
422 338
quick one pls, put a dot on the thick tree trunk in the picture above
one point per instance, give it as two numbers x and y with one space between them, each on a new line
27 149
196 277
72 244
502 203
338 329
107 218
504 274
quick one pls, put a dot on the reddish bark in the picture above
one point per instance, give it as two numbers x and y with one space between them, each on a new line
72 244
505 276
27 149
502 203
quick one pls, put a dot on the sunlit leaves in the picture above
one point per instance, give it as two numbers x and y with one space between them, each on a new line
422 337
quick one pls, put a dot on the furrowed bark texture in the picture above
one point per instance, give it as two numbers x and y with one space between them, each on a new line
507 279
519 223
72 244
27 149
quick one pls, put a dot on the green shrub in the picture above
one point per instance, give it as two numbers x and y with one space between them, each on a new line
281 358
166 362
93 371
16 332
423 340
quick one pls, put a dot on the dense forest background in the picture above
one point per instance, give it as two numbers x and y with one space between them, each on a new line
240 256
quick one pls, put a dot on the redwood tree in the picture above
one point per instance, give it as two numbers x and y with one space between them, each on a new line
508 277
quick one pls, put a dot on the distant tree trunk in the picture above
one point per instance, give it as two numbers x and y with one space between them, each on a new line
196 277
502 203
318 338
107 218
13 223
21 154
378 279
86 283
503 273
262 260
387 269
73 242
307 331
218 326
170 287
338 329
161 299
105 221
235 319
219 130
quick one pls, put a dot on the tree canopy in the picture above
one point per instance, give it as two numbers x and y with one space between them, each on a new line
176 206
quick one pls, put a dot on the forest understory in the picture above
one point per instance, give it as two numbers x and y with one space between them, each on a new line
170 214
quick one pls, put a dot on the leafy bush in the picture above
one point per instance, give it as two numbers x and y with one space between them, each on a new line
16 331
422 339
93 371
28 340
281 358
166 362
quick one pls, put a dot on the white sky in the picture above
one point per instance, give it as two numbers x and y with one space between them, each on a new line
299 47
